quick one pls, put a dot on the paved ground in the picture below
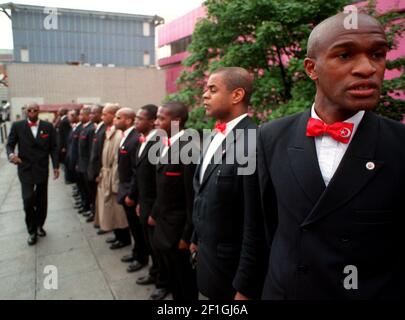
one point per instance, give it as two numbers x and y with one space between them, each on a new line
87 268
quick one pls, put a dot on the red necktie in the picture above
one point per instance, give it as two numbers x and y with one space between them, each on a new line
141 139
32 124
220 126
340 131
166 142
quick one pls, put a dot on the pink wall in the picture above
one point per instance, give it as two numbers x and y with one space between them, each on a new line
180 28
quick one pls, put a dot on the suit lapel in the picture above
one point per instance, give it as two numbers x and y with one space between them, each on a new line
352 174
225 146
304 161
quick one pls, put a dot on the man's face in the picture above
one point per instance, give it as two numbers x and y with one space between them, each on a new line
350 69
95 115
120 121
142 123
107 118
217 98
32 113
83 117
163 120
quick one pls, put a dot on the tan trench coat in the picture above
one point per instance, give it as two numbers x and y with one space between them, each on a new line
109 214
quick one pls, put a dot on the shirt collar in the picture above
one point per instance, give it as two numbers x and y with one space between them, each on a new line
98 126
85 125
176 137
150 135
232 124
356 119
128 131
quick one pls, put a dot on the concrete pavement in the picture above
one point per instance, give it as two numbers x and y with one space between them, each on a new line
86 267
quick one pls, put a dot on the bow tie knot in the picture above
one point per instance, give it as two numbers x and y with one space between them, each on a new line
340 131
220 127
32 124
166 141
142 139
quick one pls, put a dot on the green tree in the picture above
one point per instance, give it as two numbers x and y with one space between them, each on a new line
268 37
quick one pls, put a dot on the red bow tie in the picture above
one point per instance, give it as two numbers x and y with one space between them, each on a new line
166 142
220 126
340 131
32 124
141 139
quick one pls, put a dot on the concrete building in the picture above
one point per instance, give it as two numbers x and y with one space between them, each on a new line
56 84
59 36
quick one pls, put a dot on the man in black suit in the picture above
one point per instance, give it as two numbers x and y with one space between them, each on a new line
146 196
93 170
333 178
223 192
84 147
63 129
172 211
36 140
127 191
73 117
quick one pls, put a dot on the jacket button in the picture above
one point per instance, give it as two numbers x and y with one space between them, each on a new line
302 269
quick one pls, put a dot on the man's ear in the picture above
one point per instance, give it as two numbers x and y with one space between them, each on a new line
238 95
310 68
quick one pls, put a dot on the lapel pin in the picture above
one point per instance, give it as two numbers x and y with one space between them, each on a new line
370 165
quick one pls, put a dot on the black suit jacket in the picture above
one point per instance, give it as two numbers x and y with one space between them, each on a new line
316 231
84 147
126 167
63 130
73 148
93 170
33 151
145 181
173 207
221 201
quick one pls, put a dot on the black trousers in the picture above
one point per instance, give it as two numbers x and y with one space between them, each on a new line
183 282
123 235
84 189
35 199
157 271
140 250
92 195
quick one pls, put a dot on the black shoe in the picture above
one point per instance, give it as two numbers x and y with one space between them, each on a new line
41 232
118 245
128 258
96 227
111 240
159 294
135 266
100 232
82 210
90 218
32 239
87 214
143 281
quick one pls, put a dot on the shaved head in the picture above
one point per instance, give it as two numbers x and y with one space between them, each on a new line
127 113
325 32
111 108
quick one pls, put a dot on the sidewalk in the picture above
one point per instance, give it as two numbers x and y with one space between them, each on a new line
87 268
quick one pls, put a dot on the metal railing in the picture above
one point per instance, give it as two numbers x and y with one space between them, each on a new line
3 132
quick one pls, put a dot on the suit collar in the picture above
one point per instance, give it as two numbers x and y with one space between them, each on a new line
351 175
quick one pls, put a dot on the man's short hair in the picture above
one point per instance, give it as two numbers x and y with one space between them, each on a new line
236 77
177 110
151 111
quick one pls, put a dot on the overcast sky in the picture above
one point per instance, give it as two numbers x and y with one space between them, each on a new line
168 9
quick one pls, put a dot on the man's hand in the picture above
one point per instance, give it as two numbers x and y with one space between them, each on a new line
55 174
129 202
15 159
98 179
63 150
183 245
151 221
240 296
138 210
193 247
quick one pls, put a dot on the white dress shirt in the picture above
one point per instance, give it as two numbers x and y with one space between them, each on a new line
329 151
217 142
172 141
126 133
98 126
147 139
34 129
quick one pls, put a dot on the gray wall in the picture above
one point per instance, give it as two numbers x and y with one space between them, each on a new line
53 84
87 37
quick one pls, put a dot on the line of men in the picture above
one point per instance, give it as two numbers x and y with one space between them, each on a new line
326 196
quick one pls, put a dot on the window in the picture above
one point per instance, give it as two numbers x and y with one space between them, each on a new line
146 29
180 45
25 55
146 58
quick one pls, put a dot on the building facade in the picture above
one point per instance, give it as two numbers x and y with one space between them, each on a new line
60 36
